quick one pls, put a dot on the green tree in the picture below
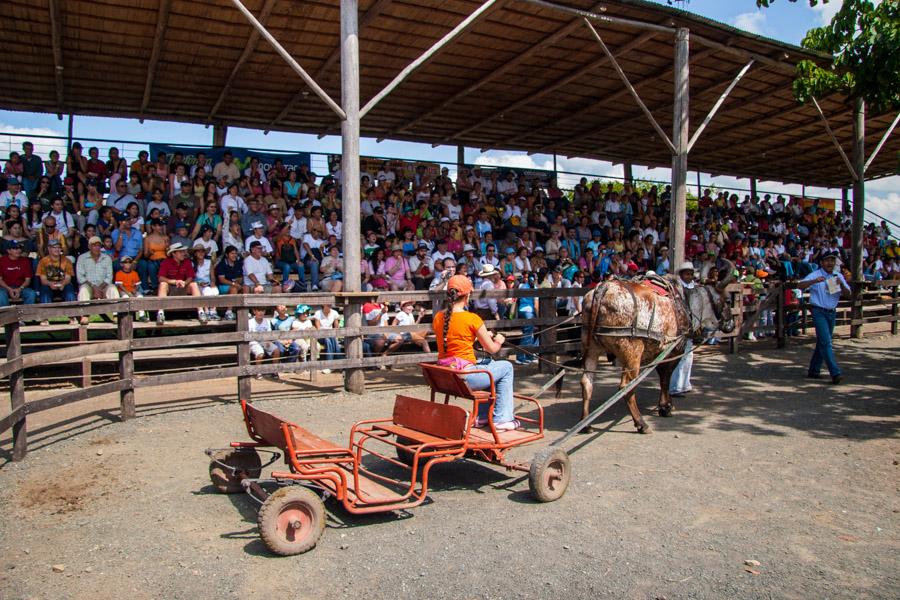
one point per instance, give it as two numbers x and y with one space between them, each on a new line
864 39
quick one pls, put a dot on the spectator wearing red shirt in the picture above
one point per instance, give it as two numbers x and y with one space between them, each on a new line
15 276
176 278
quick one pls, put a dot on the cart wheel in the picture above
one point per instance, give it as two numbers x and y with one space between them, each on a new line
549 475
291 520
246 462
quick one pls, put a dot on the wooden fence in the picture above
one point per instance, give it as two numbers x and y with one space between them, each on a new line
127 345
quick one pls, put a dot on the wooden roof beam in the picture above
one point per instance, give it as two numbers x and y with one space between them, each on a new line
56 43
630 88
162 20
835 141
249 49
507 66
559 83
324 71
603 18
652 78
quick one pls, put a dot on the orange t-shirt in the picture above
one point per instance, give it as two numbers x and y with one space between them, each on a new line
128 281
460 334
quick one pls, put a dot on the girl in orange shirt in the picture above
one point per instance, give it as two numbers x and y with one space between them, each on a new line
456 330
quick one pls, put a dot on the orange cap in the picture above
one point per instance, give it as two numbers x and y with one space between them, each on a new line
461 284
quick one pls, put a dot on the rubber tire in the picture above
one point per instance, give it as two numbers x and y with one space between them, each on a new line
549 464
272 514
247 462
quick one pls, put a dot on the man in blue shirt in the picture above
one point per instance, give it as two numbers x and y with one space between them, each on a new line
825 285
127 238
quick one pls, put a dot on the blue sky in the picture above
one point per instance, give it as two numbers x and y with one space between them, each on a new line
785 21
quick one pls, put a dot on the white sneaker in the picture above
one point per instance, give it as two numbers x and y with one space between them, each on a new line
751 337
160 318
229 315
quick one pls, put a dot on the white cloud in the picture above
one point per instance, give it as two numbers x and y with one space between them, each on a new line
886 205
754 22
825 12
13 142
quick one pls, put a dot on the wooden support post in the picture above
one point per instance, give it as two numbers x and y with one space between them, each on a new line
859 208
780 316
734 341
803 317
354 379
753 187
82 332
845 201
546 310
17 391
220 134
460 157
313 356
895 310
242 325
680 132
628 172
125 331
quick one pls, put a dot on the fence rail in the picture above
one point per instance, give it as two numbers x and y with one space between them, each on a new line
868 306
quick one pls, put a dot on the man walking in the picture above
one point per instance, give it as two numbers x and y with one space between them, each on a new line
825 285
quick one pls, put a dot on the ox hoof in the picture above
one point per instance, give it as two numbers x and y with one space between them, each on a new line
587 429
644 428
665 411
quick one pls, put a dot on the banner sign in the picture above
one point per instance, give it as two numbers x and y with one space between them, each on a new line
291 160
823 203
371 165
545 177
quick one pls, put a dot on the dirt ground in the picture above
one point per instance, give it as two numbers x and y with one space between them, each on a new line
758 464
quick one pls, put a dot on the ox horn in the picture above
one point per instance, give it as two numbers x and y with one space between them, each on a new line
726 276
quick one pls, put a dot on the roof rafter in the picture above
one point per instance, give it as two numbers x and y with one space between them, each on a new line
559 83
652 78
325 70
507 66
162 19
249 49
56 42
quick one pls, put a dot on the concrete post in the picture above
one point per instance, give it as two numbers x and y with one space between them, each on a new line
354 379
680 136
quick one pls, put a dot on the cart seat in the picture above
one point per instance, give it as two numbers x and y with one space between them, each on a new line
426 422
266 428
449 381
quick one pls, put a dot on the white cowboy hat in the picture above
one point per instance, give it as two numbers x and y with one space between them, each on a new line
175 248
487 270
686 266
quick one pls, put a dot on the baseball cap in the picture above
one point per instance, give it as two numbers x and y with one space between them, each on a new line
460 283
94 240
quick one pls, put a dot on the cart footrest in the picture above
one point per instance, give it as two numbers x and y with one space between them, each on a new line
418 437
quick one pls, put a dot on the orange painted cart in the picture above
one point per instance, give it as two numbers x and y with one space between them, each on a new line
423 433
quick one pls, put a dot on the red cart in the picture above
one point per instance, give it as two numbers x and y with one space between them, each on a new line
423 433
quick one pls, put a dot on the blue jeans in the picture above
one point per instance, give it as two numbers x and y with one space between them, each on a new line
29 296
313 266
527 335
286 268
149 272
288 353
823 320
332 349
68 294
502 371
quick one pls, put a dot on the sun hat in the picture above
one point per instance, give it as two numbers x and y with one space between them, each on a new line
686 266
94 240
488 270
175 248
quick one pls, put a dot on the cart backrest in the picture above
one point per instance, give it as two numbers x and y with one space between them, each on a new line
264 427
446 380
440 420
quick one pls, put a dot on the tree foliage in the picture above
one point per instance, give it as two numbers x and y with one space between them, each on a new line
864 39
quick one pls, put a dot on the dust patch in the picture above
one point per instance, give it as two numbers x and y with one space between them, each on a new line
67 492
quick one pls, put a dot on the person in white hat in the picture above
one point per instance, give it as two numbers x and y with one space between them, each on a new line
176 278
488 308
259 235
680 384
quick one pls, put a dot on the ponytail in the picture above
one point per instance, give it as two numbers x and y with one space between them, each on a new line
452 296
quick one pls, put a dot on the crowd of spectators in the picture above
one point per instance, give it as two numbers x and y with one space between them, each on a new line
86 228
